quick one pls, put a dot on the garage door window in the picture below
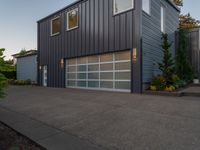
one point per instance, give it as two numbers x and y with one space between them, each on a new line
109 71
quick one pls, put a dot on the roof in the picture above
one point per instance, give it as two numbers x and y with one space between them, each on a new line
28 53
77 1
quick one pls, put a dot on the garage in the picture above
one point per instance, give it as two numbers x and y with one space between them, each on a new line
111 71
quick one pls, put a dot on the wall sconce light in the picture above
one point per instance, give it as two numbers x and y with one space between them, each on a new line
40 67
134 55
62 63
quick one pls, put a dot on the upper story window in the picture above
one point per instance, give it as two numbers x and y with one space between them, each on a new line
146 6
122 5
55 26
162 19
72 19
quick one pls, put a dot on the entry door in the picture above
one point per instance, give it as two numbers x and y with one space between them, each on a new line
45 76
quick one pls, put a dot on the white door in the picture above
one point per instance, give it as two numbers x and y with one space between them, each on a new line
45 76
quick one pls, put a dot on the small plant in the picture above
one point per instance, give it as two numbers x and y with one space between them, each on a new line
153 88
159 82
170 88
20 82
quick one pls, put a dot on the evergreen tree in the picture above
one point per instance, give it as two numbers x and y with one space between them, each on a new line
2 77
167 65
183 66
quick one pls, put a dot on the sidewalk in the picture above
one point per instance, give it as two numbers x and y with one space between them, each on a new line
48 137
192 91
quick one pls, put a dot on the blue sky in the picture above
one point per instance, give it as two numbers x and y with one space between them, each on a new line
18 27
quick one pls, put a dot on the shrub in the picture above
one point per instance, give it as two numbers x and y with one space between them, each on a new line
159 82
9 74
170 88
20 82
3 82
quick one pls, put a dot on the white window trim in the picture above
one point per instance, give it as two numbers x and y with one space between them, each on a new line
52 27
76 9
115 13
148 13
163 28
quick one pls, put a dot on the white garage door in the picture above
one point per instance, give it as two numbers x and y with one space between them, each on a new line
106 72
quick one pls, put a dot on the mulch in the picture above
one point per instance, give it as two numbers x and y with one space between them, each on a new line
11 140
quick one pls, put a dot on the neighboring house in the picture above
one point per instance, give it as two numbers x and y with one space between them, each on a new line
104 44
27 65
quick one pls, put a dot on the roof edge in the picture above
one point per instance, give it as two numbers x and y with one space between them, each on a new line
52 14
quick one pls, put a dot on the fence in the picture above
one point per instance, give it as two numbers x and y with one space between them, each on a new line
193 49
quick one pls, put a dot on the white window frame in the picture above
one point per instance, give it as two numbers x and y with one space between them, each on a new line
58 17
76 9
163 19
114 4
149 13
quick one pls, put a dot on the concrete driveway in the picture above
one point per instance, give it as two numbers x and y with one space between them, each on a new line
114 121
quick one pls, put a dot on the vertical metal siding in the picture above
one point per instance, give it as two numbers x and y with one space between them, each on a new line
99 32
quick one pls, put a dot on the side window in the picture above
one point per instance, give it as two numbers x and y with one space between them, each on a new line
146 6
122 5
55 26
72 19
162 19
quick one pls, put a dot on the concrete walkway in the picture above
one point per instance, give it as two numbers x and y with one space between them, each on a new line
69 119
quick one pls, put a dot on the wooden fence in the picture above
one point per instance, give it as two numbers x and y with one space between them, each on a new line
193 49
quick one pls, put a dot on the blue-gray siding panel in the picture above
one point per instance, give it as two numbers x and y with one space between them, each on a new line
151 36
27 68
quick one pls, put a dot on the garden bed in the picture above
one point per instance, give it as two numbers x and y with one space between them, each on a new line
12 140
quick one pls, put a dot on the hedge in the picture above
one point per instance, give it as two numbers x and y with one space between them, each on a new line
9 74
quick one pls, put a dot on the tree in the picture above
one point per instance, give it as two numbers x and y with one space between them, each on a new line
2 77
167 65
178 2
187 22
22 52
183 67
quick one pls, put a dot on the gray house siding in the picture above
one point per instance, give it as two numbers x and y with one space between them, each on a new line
99 32
27 68
151 36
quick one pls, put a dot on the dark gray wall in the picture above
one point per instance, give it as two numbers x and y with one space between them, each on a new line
99 32
151 35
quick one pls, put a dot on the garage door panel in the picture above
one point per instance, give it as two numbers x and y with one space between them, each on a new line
108 71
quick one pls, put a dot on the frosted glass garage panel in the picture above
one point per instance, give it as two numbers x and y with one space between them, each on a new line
122 76
122 85
122 56
105 67
71 68
71 75
93 76
109 71
93 67
81 83
123 66
71 83
106 75
106 84
93 84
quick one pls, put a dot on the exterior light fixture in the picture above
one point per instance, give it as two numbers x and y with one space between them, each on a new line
134 55
62 63
40 67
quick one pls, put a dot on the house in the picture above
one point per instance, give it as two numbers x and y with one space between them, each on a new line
26 65
104 44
